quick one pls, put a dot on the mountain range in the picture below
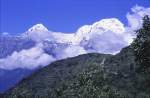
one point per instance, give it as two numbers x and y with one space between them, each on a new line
38 47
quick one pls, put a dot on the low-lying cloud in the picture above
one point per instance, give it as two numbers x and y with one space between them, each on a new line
29 58
106 41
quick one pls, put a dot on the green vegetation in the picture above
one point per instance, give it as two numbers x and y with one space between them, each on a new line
142 46
93 83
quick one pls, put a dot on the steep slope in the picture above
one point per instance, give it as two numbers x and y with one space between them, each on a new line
44 81
62 79
38 33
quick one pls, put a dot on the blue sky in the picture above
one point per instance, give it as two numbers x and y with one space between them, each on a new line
16 16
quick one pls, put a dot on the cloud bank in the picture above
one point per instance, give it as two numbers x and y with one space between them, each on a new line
29 58
105 36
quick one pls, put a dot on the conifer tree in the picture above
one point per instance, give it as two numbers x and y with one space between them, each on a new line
141 46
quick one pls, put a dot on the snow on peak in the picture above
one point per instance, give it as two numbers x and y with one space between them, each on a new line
38 28
100 27
38 33
103 25
111 24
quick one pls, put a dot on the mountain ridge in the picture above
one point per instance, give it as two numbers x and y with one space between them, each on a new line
112 63
89 75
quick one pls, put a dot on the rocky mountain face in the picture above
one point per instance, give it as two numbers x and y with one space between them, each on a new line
86 76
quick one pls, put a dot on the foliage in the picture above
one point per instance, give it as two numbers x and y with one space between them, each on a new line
141 46
93 83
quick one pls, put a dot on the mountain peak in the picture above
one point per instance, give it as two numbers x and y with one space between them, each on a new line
103 25
38 33
38 27
111 24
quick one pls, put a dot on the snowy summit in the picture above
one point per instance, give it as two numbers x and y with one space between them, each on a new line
38 28
38 33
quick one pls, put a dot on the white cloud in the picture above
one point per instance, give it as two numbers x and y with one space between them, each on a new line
29 59
73 50
135 21
135 17
107 42
104 36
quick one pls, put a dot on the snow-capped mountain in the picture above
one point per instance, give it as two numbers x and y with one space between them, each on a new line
102 26
38 33
96 37
104 36
38 28
38 46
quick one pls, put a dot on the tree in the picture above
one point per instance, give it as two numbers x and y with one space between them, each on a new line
141 46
